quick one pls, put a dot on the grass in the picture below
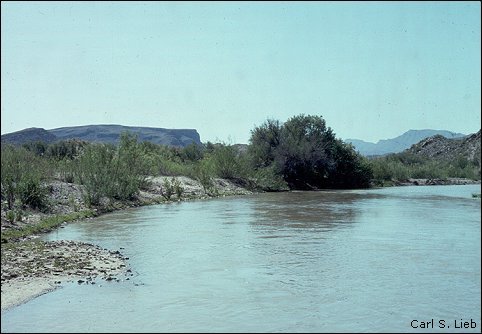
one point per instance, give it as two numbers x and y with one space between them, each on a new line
45 225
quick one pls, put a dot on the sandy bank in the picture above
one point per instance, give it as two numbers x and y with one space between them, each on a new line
19 291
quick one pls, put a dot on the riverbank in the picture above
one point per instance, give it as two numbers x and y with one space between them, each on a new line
31 267
436 182
429 182
232 264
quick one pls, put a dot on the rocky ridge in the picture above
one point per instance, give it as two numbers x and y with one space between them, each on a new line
439 147
400 143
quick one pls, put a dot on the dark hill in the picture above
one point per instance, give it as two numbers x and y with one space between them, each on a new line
28 135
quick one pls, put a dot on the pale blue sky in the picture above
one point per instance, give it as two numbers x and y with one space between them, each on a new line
372 70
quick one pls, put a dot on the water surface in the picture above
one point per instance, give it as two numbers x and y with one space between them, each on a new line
360 260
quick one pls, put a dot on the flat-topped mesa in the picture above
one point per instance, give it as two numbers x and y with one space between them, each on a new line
108 133
111 134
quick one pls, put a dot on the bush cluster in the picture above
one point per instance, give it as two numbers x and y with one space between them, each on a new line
116 172
302 153
401 166
22 173
306 155
299 154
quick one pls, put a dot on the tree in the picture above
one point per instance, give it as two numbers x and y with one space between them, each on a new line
305 152
351 170
263 143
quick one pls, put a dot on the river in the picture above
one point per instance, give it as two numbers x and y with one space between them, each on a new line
377 260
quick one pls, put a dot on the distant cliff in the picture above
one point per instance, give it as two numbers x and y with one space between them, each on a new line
400 143
105 134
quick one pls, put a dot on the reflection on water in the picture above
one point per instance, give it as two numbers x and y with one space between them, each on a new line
306 210
361 260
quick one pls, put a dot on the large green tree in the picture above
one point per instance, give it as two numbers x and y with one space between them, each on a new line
306 154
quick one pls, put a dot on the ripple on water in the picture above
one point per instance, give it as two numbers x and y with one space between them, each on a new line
333 261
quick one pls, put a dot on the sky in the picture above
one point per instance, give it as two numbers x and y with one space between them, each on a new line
372 70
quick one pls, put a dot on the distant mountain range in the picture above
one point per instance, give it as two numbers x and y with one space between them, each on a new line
400 143
184 137
104 134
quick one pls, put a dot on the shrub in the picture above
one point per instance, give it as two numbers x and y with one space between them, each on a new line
129 171
96 172
268 179
10 216
408 165
225 162
192 152
203 172
21 175
37 147
167 189
171 187
114 172
65 149
178 189
66 169
32 193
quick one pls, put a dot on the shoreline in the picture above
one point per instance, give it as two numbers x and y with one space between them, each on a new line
426 182
31 267
436 182
18 292
41 267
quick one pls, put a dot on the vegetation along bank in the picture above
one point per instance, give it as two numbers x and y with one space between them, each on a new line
44 186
